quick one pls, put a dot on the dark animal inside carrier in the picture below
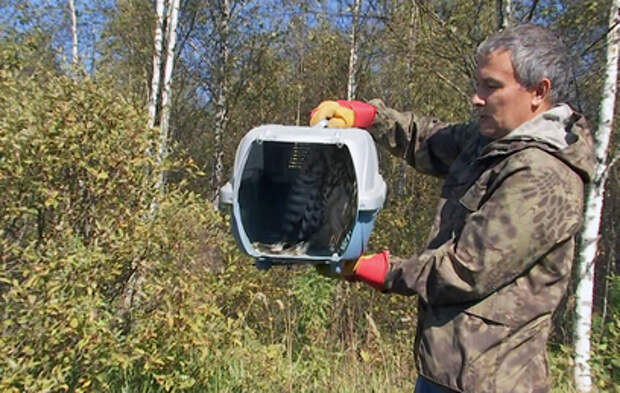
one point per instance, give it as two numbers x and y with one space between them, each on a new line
295 195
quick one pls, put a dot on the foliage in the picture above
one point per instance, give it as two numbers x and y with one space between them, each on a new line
127 42
99 294
606 342
605 350
560 368
92 284
402 226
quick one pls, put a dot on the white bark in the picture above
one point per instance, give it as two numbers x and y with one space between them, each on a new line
171 38
74 36
136 279
504 13
172 8
594 207
221 115
507 13
352 82
156 76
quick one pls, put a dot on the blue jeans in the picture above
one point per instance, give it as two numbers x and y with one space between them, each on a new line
423 385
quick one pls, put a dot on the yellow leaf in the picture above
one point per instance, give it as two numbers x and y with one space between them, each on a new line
73 323
28 350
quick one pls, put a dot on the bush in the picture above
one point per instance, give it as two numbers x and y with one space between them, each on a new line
606 342
95 289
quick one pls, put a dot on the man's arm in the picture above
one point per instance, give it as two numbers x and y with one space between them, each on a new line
530 209
425 143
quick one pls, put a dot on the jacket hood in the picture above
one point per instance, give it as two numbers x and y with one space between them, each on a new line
559 131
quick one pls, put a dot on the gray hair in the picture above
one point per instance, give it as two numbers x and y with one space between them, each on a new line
535 53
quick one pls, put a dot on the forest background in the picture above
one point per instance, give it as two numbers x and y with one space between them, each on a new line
111 282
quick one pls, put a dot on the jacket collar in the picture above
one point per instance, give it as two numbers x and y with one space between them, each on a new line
547 128
559 131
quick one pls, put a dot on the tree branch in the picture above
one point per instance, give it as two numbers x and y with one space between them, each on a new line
451 84
531 13
596 41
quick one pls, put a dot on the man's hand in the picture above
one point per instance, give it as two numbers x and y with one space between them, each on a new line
370 269
344 114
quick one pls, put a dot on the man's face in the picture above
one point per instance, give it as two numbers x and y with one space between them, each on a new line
500 101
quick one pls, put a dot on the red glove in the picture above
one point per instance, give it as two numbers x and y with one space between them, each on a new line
370 269
344 114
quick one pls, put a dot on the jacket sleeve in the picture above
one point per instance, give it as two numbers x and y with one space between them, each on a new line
528 209
425 143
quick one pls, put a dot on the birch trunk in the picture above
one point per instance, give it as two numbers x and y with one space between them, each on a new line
504 13
156 76
74 36
221 104
352 82
136 279
171 37
594 207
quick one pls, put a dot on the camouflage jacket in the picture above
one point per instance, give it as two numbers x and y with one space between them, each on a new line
499 255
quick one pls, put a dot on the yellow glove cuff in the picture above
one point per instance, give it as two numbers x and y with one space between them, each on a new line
338 116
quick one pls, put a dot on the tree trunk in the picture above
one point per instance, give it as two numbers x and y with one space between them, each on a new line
136 279
221 104
157 47
171 37
594 208
172 12
352 82
74 36
504 13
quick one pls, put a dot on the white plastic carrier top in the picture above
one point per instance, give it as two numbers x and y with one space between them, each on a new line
285 174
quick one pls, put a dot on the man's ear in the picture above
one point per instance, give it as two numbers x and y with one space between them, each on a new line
541 92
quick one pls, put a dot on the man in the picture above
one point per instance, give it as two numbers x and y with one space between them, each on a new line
499 255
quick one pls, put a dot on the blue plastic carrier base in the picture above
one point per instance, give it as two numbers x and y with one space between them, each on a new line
304 195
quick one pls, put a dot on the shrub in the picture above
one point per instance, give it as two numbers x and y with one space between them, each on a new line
606 342
95 289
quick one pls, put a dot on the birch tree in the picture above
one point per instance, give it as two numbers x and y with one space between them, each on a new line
172 9
594 205
504 13
74 36
352 81
157 52
225 63
221 104
171 36
162 90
